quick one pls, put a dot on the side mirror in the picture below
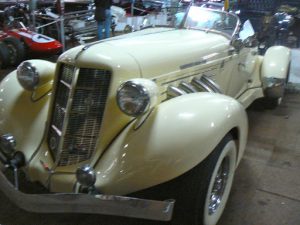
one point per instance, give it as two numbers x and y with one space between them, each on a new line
250 42
237 43
246 37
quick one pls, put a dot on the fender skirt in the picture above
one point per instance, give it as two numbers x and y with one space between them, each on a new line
177 135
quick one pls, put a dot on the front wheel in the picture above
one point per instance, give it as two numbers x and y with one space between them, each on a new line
220 182
201 193
207 187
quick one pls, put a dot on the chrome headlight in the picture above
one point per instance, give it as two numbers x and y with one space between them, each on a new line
28 75
137 96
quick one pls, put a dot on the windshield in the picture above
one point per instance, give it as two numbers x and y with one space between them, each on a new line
207 19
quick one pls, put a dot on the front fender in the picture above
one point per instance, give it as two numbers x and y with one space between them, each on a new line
23 113
276 62
178 135
275 68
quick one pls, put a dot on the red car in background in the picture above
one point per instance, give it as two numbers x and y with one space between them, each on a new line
17 43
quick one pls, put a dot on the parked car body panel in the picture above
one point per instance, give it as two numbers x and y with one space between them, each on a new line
23 113
182 46
274 66
153 153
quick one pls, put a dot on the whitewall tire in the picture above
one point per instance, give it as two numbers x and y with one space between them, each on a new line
220 184
193 190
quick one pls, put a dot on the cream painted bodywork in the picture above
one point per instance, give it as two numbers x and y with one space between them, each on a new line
23 116
177 135
171 141
276 63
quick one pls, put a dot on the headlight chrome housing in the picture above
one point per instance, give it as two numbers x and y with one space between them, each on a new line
28 75
137 96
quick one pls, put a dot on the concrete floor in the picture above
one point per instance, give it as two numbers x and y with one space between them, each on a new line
266 189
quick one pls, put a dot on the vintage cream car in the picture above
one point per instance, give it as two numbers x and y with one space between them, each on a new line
144 125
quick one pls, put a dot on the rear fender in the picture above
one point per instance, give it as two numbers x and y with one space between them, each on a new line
274 71
23 113
178 135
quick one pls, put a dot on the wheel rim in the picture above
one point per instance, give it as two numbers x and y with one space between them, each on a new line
12 54
219 186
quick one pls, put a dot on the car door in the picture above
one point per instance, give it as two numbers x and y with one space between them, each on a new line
243 57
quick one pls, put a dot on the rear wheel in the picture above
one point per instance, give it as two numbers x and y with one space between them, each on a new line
16 50
271 102
4 55
273 96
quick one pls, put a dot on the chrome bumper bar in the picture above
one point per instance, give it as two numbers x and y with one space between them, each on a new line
274 87
84 203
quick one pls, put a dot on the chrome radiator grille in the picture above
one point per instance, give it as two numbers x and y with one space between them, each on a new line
73 138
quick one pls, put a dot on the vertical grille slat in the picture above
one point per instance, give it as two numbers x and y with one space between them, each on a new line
58 118
60 103
82 127
67 74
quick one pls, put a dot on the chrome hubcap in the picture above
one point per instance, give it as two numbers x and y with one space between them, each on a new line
219 186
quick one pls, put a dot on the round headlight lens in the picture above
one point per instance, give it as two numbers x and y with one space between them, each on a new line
27 75
133 98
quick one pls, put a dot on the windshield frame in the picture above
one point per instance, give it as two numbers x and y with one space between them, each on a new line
235 30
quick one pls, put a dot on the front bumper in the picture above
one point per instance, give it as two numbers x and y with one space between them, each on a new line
73 202
274 87
85 203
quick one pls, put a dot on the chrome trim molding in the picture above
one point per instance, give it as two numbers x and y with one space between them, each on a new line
202 86
192 64
271 82
274 87
187 87
174 92
84 203
213 85
77 113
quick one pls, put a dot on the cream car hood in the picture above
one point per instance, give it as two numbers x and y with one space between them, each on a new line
156 51
170 50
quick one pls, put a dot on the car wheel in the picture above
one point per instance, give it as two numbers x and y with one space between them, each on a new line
271 102
201 193
16 50
220 182
4 55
